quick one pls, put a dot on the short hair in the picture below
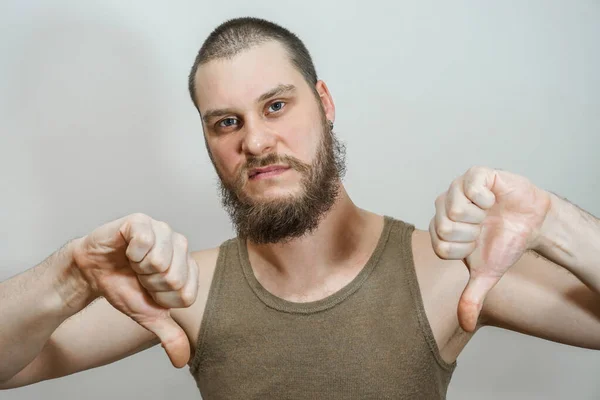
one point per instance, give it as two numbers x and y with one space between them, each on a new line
238 34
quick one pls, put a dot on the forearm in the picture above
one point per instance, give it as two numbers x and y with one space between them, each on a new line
33 304
571 238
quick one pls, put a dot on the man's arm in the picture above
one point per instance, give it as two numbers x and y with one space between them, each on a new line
32 307
494 222
557 296
570 237
97 335
143 271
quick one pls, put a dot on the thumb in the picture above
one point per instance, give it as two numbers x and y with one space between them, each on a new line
471 300
172 337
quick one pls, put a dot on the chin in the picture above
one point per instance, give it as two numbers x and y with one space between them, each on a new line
274 189
275 194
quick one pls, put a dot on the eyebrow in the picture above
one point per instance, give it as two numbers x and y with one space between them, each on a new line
276 91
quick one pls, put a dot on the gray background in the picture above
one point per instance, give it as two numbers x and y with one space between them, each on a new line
95 123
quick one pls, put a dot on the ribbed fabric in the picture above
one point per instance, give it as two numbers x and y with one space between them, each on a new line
369 340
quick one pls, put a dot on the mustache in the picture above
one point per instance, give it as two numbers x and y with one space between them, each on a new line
270 159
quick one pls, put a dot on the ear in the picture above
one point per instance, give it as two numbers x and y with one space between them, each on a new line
326 100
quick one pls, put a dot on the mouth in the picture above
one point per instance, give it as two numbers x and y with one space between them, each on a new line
267 172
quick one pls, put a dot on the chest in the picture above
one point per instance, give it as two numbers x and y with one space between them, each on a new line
375 350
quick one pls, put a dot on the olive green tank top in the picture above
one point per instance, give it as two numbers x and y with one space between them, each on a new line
369 340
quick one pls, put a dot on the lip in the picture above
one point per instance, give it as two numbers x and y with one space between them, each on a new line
265 172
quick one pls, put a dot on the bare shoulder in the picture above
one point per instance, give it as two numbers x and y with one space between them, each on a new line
190 318
441 283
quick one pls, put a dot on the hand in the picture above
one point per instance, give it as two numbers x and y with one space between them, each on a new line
143 269
488 219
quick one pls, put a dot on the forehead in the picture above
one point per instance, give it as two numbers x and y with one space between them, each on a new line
236 81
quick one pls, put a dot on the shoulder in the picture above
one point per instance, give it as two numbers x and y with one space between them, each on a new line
206 258
441 283
190 318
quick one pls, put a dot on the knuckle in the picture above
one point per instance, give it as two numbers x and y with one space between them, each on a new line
181 240
446 249
163 225
455 213
145 281
174 281
440 249
440 199
158 261
445 229
475 169
187 298
162 299
471 191
145 239
139 217
458 183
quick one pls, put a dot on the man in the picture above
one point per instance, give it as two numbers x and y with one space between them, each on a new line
315 297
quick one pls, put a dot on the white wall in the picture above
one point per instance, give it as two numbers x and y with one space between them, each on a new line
95 123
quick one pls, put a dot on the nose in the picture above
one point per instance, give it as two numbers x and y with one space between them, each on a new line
258 139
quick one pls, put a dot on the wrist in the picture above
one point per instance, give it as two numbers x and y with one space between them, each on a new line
546 236
74 291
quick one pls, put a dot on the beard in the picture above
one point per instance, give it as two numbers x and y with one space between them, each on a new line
283 219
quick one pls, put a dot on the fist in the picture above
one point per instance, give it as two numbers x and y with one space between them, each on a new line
488 219
143 269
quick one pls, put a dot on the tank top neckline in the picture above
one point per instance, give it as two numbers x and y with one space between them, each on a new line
280 304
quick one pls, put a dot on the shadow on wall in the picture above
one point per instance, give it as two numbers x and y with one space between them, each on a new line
87 106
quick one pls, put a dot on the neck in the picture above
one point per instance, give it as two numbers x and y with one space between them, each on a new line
318 264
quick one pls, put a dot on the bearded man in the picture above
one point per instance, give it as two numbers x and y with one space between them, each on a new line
314 297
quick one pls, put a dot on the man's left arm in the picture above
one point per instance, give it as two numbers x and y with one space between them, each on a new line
531 255
553 291
570 237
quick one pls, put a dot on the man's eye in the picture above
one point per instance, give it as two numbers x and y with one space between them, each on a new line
227 122
278 105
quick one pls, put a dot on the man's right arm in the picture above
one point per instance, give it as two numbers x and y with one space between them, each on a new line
32 307
137 268
42 336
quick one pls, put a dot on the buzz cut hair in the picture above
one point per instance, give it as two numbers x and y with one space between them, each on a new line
236 35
